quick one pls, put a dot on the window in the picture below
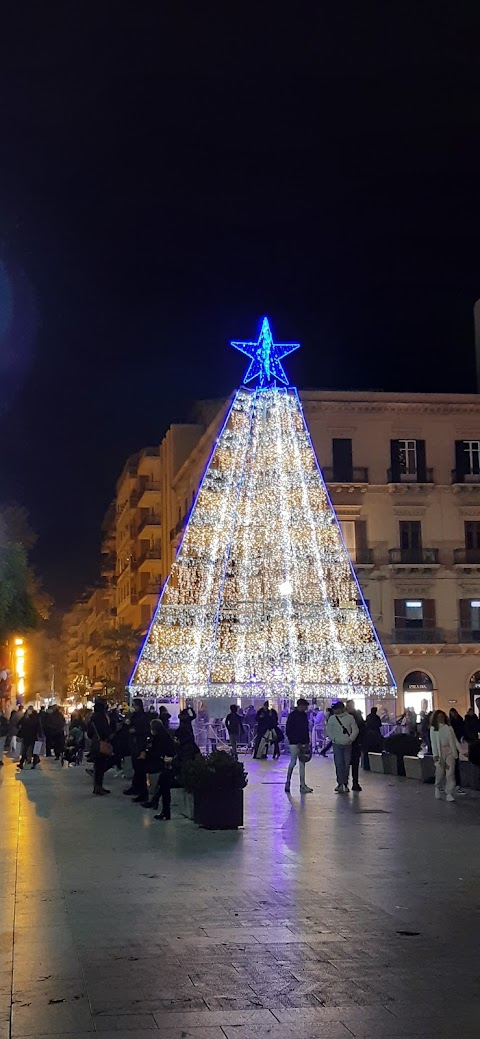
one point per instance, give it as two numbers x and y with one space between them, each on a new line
472 541
410 541
471 453
355 537
415 613
342 460
469 610
408 457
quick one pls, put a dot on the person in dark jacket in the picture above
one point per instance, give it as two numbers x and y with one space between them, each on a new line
472 726
164 716
151 761
373 739
139 734
167 756
99 730
357 745
458 726
263 722
47 731
234 727
298 735
29 731
57 723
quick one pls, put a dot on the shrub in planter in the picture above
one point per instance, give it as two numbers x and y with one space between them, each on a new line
217 783
401 744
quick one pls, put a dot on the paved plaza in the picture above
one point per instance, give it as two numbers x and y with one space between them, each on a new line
327 916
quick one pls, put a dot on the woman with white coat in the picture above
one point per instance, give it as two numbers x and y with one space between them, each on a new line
444 750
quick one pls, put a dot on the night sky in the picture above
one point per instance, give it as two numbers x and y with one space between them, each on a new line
169 172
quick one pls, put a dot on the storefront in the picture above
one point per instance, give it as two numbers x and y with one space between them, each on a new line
418 692
474 689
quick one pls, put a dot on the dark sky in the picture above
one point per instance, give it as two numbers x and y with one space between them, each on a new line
171 171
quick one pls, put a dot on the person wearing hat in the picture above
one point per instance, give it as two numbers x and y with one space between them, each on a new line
298 735
342 730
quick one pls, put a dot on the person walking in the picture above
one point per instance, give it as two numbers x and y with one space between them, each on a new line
99 732
3 734
373 739
234 727
298 736
30 733
16 716
151 761
342 730
357 745
445 753
48 731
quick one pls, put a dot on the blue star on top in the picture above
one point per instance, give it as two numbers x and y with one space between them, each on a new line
266 357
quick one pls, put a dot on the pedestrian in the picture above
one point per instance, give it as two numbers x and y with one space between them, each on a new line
298 736
3 734
164 716
445 753
168 752
99 731
373 739
234 727
139 731
48 731
472 726
328 744
458 725
57 723
31 735
187 716
343 730
357 744
14 720
151 761
262 719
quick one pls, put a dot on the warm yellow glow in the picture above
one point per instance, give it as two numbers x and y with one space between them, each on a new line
21 686
19 653
19 642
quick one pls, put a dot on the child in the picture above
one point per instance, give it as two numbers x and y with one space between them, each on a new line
444 750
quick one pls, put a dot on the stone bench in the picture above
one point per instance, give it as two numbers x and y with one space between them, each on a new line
469 775
375 762
421 769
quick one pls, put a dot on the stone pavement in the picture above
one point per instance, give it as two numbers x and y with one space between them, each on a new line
325 917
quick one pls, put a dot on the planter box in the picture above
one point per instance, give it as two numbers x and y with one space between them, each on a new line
375 762
390 764
422 769
222 810
469 775
186 804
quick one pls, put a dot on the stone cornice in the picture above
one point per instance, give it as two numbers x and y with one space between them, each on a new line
319 406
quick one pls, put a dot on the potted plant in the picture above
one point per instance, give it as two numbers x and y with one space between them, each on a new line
399 745
217 783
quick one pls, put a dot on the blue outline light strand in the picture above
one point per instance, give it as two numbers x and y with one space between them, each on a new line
266 357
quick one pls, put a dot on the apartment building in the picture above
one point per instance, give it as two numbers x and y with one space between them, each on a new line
403 472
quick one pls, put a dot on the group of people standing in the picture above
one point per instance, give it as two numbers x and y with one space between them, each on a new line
33 732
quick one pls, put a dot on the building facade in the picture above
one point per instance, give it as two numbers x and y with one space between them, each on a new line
403 473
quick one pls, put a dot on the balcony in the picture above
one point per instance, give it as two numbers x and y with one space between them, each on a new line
466 557
412 558
151 559
417 636
468 479
358 475
150 591
363 558
468 635
150 490
150 521
410 478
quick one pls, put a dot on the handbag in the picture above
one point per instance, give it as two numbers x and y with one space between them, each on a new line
104 747
37 748
305 752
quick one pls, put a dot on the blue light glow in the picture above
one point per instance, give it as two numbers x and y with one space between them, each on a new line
266 357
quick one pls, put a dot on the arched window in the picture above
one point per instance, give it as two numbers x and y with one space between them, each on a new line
418 692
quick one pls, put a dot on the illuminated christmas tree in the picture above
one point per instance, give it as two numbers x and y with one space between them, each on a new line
262 600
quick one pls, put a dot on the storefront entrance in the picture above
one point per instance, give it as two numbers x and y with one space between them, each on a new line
475 692
418 692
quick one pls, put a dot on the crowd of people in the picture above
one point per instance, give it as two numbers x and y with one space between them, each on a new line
143 738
